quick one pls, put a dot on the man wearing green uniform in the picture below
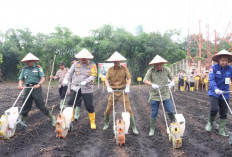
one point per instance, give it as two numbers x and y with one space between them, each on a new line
158 77
33 76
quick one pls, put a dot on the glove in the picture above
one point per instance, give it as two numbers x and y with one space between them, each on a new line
154 86
83 83
218 91
127 90
171 84
109 89
65 82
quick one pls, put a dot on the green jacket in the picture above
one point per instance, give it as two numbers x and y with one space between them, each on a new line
31 75
160 78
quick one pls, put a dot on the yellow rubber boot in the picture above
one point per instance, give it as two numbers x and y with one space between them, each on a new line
182 88
92 120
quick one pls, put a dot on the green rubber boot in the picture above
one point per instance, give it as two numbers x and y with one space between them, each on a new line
134 129
209 125
106 121
152 126
222 126
62 104
77 113
23 119
53 118
172 117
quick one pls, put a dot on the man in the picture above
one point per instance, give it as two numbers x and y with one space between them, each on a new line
157 78
118 77
84 73
219 78
33 76
60 74
78 102
192 81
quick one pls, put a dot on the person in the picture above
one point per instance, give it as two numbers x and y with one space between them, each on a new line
179 79
182 80
81 75
219 77
192 80
157 78
33 76
60 74
79 101
118 77
206 80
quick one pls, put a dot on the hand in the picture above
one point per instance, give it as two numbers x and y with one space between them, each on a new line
69 93
218 91
83 83
20 87
127 90
154 86
51 77
109 89
36 86
171 84
65 82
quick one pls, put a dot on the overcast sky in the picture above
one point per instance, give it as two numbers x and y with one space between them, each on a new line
84 15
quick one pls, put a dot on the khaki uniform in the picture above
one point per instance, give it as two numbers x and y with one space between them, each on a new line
160 78
117 80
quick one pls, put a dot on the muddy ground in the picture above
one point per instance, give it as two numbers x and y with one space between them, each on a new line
39 138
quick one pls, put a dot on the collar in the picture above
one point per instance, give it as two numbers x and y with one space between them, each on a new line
220 67
117 67
158 70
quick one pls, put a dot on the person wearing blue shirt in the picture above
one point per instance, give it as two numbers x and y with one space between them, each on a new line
219 77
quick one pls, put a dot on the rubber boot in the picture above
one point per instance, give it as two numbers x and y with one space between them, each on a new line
222 126
53 118
62 104
23 119
152 126
134 129
77 113
172 117
106 121
92 120
209 125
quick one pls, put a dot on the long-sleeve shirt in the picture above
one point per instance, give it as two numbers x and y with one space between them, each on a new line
160 78
217 79
82 72
60 74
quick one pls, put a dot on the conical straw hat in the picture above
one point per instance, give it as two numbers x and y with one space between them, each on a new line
84 53
116 57
222 53
30 57
157 60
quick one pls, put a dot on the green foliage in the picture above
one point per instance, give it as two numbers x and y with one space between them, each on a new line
103 42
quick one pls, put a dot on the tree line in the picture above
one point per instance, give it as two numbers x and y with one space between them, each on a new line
139 49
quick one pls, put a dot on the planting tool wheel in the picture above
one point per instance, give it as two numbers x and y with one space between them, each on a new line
120 135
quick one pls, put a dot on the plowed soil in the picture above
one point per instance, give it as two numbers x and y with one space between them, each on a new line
39 138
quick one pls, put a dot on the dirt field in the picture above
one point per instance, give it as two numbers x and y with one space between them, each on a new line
39 138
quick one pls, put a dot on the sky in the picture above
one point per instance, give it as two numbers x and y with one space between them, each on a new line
81 16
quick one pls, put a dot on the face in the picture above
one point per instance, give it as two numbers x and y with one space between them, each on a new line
30 63
117 63
158 66
223 61
84 60
62 67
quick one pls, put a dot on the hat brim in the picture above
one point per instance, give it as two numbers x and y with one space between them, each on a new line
29 61
216 58
157 63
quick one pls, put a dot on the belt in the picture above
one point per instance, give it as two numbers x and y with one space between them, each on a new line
31 84
118 88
